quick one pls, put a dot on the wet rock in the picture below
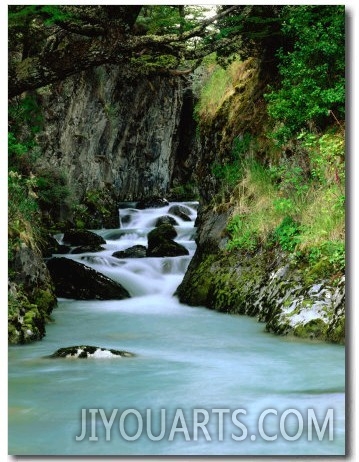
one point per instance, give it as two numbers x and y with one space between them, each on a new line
161 243
87 248
82 237
268 285
31 296
78 281
152 203
87 351
51 246
166 220
162 232
168 249
136 251
180 211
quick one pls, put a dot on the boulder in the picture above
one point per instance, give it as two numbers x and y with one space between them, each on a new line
152 203
166 220
161 243
87 248
51 246
160 234
87 351
78 281
82 237
168 249
136 251
180 211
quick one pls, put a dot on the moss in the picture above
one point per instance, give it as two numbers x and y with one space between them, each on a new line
44 299
316 328
321 270
336 332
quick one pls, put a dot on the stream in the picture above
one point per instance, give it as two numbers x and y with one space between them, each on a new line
201 383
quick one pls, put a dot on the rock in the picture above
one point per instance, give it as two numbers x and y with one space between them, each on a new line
158 235
78 281
166 220
168 249
180 211
161 243
51 246
87 248
152 203
86 351
82 237
136 251
31 296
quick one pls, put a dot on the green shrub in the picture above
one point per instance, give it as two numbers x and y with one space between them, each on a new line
311 68
287 234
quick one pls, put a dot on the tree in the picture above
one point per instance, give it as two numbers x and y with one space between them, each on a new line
311 90
49 43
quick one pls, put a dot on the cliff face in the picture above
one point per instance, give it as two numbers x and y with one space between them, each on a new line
106 131
265 281
31 296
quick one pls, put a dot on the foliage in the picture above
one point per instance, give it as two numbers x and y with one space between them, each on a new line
312 69
146 64
287 234
241 236
251 30
51 190
23 213
169 19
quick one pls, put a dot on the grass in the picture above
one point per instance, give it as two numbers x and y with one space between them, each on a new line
310 224
219 85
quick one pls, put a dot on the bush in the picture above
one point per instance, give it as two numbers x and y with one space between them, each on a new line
312 70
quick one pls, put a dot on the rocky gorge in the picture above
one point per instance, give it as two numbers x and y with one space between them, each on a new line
131 140
134 105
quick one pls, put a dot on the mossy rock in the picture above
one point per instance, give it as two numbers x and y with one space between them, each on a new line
336 331
88 351
314 329
161 243
44 299
159 234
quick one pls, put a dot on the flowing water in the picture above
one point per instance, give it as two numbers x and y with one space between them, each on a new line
201 383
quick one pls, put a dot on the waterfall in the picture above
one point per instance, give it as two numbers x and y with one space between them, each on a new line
143 276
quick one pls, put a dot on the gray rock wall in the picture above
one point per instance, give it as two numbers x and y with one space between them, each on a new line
104 130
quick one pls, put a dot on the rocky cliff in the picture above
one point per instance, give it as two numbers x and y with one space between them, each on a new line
110 131
261 280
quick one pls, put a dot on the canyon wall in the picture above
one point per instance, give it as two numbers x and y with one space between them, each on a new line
106 130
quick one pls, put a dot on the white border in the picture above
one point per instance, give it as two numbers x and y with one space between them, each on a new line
352 8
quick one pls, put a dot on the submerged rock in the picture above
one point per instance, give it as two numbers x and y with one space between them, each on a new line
86 351
152 203
78 281
82 237
136 251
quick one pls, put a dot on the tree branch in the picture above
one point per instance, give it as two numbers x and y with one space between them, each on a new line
115 46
